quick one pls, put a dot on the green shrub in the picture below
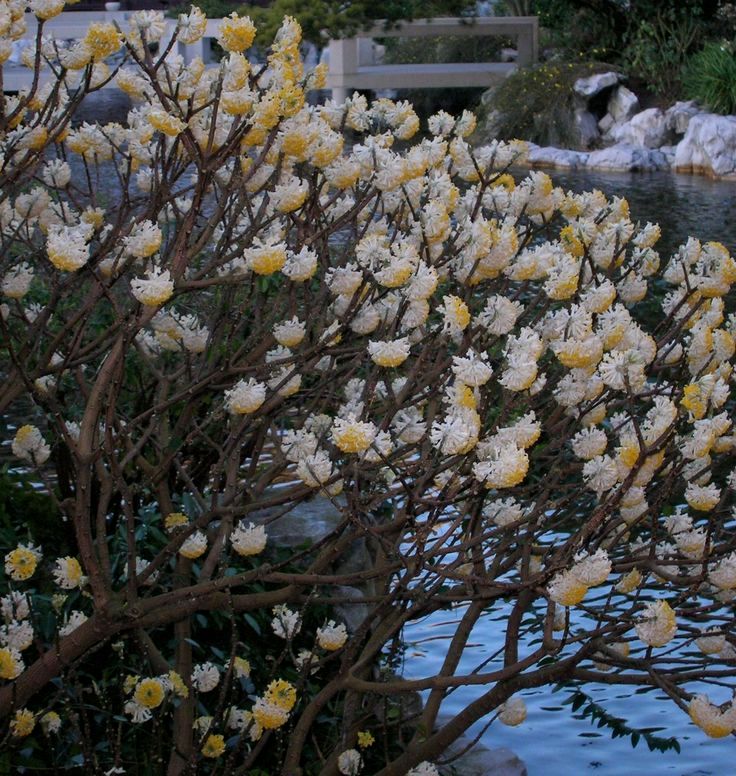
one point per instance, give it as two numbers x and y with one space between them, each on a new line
710 77
536 103
658 47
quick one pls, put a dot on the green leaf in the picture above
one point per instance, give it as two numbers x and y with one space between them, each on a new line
251 620
577 701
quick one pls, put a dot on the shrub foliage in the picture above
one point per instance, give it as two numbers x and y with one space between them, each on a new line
710 77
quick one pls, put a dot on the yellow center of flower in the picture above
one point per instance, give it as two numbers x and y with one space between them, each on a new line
694 400
571 243
292 202
177 685
23 433
242 666
456 312
22 562
214 746
282 694
702 502
390 358
73 570
710 720
269 716
149 693
628 454
573 593
464 397
166 123
22 724
268 260
564 288
630 582
365 739
175 520
353 439
8 665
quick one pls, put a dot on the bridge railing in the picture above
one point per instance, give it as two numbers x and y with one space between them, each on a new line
72 25
352 62
353 65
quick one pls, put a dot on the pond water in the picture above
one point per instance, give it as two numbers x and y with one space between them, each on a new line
554 740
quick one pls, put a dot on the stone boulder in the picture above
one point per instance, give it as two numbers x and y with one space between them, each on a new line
548 156
623 104
352 614
103 106
586 128
606 124
669 152
480 761
647 128
307 522
595 84
678 115
626 158
476 759
709 146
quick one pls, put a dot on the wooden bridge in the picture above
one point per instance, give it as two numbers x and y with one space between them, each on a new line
352 61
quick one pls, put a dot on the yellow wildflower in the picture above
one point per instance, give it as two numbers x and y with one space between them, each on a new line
365 739
281 693
149 693
214 746
22 723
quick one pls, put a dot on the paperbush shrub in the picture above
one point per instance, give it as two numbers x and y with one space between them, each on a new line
263 316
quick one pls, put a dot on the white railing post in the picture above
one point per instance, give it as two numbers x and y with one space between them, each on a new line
343 64
166 40
366 49
199 49
528 43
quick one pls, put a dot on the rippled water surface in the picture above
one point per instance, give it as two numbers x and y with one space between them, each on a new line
554 741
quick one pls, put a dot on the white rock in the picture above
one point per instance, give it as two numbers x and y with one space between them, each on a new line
627 157
623 104
352 614
648 129
669 152
548 156
678 115
709 146
595 84
586 127
605 124
468 757
480 761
